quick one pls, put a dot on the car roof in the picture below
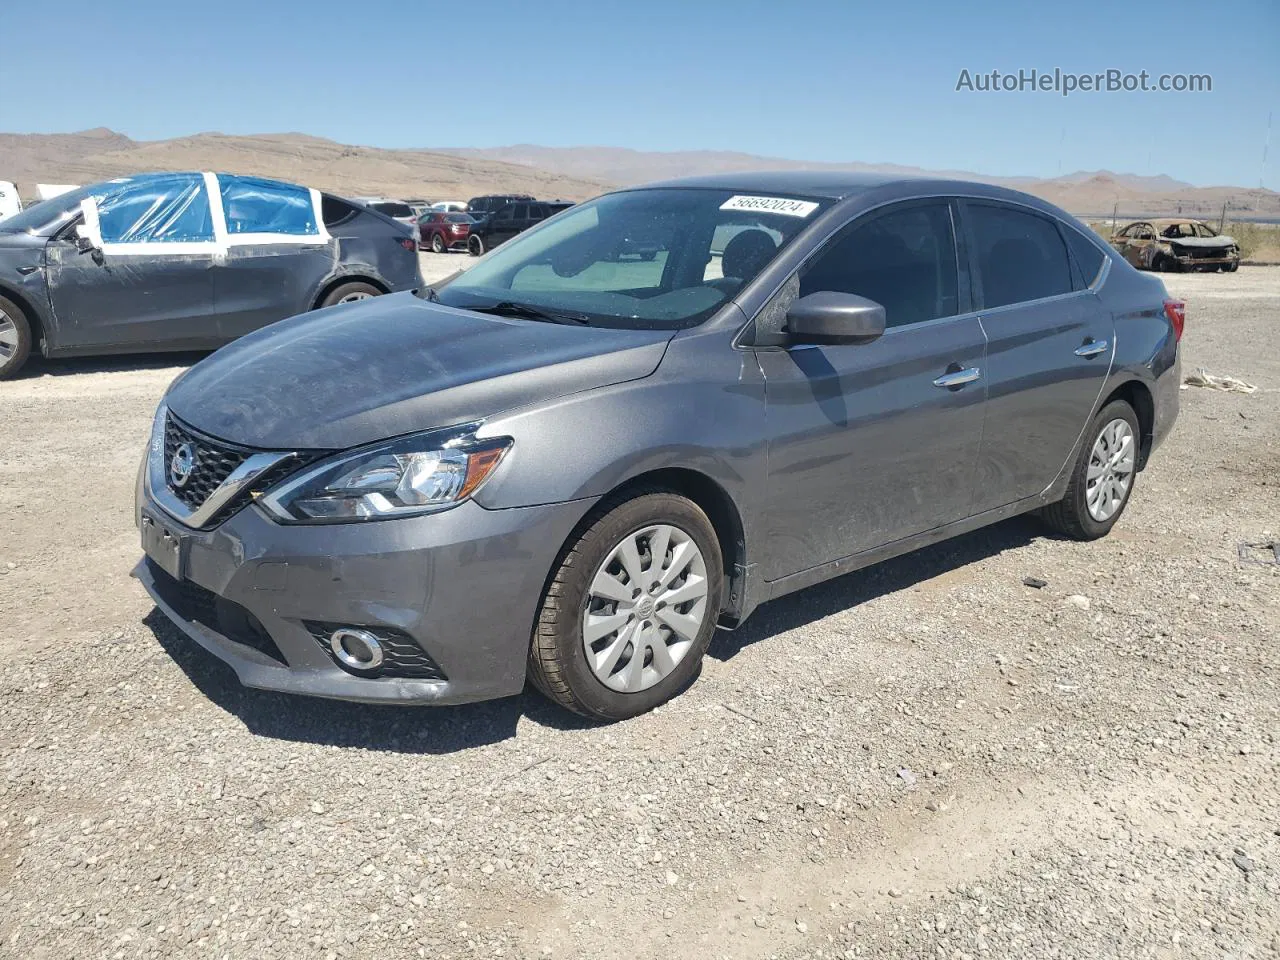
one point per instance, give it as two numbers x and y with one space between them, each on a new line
1169 221
842 184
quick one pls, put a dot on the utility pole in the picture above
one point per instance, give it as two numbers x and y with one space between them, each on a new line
1222 219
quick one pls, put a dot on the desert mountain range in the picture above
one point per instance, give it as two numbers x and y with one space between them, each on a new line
572 173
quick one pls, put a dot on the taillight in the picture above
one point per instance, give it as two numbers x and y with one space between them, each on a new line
457 228
1176 311
408 244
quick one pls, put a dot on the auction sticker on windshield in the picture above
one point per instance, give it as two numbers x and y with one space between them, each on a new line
789 208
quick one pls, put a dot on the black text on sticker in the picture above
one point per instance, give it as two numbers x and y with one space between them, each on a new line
782 205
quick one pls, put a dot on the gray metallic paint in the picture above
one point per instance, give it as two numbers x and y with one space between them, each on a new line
831 458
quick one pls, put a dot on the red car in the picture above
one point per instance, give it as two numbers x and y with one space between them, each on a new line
440 232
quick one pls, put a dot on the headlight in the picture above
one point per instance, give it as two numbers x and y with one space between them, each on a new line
419 474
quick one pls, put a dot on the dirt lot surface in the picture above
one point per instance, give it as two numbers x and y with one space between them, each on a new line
924 759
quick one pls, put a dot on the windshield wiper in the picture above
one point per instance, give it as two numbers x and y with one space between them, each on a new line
510 308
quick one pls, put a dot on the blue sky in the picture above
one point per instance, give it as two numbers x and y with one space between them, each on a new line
820 80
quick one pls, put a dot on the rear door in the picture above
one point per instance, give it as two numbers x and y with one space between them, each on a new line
510 220
868 443
149 281
1049 345
277 253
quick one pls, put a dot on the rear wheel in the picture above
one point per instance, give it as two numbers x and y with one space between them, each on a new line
350 293
1103 477
15 338
630 609
475 246
437 243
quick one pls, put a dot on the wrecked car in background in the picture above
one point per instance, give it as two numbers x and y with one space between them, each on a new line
1176 244
185 261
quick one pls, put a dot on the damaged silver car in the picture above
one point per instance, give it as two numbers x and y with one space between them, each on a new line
185 261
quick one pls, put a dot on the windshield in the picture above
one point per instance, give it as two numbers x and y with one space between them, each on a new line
46 217
393 209
644 259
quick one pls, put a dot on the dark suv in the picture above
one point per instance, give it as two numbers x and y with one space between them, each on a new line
504 224
480 207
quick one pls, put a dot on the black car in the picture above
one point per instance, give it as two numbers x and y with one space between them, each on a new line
504 224
480 207
185 261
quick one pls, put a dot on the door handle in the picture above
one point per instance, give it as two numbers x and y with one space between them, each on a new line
958 378
1092 348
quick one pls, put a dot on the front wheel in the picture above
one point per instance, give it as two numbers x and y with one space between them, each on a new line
630 609
475 246
1103 477
15 338
1231 267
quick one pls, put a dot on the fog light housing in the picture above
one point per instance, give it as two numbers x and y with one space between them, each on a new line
356 649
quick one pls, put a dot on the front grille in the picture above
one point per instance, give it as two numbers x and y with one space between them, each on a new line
402 659
193 602
215 460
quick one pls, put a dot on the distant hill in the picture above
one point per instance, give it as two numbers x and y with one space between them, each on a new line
91 155
1084 192
572 173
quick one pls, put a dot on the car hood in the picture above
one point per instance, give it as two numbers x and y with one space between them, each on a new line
362 372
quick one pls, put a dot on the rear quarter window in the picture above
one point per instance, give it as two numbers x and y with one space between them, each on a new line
1087 256
335 211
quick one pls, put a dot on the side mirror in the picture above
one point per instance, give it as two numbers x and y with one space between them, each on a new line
830 317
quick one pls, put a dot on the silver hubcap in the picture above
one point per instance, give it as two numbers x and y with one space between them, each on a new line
353 297
1110 470
8 337
645 608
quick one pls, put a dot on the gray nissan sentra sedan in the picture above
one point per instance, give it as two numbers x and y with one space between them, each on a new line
639 421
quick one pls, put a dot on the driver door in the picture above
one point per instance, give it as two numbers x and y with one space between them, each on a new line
148 280
872 443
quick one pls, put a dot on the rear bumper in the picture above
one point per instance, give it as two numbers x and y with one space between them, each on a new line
1166 393
463 586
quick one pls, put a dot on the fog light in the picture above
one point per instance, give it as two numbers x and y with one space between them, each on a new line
356 649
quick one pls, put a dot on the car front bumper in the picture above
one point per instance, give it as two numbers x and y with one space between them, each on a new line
463 585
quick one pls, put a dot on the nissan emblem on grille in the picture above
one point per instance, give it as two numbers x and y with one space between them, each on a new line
182 465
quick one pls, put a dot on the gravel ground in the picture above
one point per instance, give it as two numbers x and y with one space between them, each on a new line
924 759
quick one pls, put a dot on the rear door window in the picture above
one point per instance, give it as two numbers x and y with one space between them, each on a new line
903 258
1020 255
253 205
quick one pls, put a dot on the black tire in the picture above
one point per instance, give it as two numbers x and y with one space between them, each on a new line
1230 267
344 290
1168 264
557 659
475 246
1070 516
11 362
437 244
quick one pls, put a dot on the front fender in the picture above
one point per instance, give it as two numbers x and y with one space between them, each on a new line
702 409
